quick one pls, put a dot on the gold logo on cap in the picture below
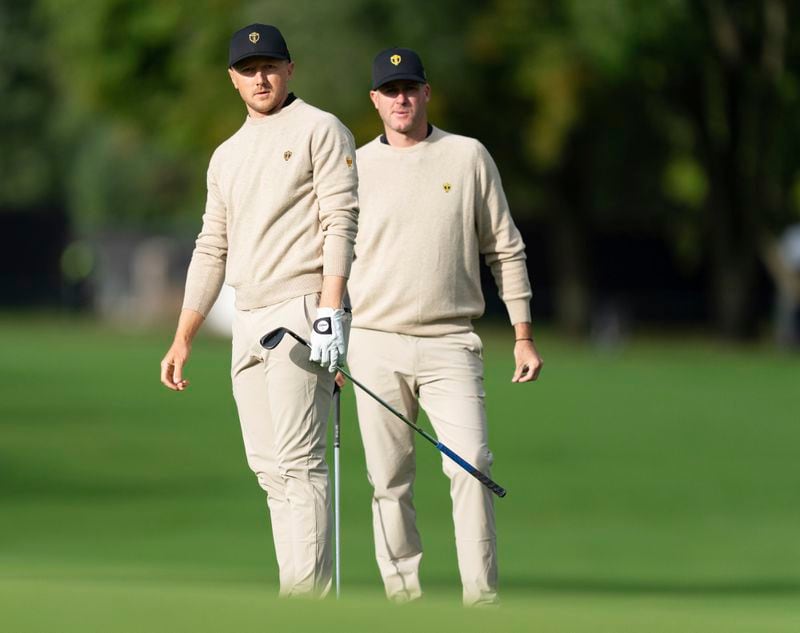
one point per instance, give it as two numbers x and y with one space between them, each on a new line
255 36
395 59
349 161
287 155
447 187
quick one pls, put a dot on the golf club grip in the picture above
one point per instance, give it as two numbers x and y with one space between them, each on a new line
337 416
491 485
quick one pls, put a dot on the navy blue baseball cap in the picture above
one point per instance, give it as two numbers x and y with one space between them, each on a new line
397 63
257 40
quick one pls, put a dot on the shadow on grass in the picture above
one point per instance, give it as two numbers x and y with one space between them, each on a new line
739 587
80 490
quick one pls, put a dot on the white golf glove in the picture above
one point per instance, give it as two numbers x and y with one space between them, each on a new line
328 345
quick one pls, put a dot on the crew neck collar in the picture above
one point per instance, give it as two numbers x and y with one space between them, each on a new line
385 140
434 133
287 107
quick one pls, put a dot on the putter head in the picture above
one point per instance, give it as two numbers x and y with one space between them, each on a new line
272 339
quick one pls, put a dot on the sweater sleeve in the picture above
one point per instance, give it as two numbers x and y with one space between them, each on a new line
500 241
207 269
336 185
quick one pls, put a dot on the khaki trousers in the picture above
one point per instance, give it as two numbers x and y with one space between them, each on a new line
283 401
445 376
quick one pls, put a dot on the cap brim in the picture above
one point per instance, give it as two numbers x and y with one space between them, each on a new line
248 55
400 77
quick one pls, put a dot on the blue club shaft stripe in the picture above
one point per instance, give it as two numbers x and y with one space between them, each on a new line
457 459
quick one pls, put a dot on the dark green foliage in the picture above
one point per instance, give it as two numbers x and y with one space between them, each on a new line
671 120
29 168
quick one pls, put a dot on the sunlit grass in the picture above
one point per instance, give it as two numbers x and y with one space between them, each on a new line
653 488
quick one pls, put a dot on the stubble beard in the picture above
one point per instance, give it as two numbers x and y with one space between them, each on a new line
265 107
405 126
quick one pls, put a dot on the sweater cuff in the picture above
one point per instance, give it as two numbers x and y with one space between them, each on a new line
201 297
337 256
519 311
203 284
202 305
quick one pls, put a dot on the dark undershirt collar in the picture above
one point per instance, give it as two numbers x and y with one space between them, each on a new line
385 141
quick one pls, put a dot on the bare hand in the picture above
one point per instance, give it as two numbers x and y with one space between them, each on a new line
172 366
528 362
340 379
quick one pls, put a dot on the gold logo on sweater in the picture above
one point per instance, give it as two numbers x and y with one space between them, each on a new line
446 186
287 155
254 37
395 59
349 161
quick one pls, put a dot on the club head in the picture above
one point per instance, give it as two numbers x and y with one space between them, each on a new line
272 339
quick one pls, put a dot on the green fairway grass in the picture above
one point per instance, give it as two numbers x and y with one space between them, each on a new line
653 488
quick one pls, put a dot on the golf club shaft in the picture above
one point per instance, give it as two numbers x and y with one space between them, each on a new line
484 479
336 487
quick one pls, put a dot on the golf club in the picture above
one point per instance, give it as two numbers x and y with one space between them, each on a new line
337 412
271 340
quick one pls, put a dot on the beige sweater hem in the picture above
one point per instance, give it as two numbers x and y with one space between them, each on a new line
434 328
272 292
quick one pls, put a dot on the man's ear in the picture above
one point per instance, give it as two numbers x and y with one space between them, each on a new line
373 95
232 75
290 70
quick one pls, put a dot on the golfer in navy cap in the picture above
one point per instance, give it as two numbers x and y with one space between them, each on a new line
432 205
279 226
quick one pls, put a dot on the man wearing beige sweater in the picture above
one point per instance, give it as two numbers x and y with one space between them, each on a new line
279 226
431 203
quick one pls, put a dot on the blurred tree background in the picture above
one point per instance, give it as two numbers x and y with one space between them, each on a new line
647 146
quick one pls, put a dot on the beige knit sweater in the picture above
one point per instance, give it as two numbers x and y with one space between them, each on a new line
281 210
427 214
